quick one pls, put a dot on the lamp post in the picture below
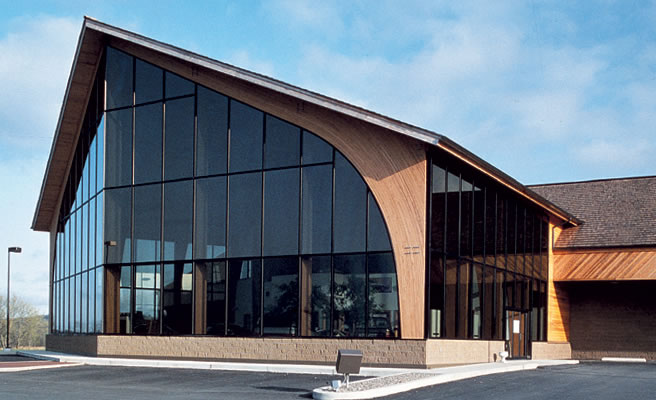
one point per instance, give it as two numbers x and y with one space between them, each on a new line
9 251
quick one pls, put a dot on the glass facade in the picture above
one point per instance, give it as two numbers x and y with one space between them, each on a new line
188 212
488 257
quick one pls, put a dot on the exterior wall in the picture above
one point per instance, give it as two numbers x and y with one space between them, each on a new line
551 351
613 319
444 352
394 168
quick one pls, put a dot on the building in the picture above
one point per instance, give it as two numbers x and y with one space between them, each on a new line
199 210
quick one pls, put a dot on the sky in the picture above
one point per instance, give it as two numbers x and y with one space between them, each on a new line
546 91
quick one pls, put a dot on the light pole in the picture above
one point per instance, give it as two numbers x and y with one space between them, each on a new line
9 251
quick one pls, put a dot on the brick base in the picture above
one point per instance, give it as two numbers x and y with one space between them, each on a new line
551 351
390 353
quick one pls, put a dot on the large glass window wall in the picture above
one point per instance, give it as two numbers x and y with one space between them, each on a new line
189 212
488 256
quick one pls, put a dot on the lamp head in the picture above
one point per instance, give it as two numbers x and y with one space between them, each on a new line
15 250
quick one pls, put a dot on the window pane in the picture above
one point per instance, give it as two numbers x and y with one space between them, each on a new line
77 303
178 213
350 207
246 125
245 215
377 239
146 312
488 304
490 226
476 300
463 300
118 205
315 149
512 232
92 233
499 310
118 141
528 244
466 214
317 209
210 217
282 143
479 223
501 232
349 295
177 86
179 134
452 213
83 236
148 82
92 168
383 296
177 299
436 293
147 222
100 244
280 296
438 202
315 296
281 202
215 278
212 140
146 277
100 155
244 297
84 302
99 299
148 143
118 75
451 290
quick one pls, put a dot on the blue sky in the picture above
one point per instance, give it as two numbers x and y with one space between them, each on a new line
546 91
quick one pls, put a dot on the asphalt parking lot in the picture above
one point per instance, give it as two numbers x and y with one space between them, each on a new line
588 380
597 381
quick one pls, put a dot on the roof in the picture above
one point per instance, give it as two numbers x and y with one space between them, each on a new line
617 212
95 34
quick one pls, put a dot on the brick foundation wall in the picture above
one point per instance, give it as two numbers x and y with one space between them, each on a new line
444 352
613 320
390 353
551 351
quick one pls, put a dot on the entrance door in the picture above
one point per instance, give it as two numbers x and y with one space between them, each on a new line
516 336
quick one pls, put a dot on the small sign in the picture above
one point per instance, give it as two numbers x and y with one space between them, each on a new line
516 326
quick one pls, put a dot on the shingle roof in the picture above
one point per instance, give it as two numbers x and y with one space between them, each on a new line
616 212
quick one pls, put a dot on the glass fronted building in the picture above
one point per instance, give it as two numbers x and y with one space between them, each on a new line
223 211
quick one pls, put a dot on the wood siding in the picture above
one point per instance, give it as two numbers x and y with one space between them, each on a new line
605 265
393 166
558 300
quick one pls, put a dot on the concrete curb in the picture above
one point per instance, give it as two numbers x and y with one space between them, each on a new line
214 365
444 375
624 359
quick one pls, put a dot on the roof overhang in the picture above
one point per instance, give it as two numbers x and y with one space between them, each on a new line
95 34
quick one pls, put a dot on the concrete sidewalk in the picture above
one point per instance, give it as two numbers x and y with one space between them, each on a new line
386 381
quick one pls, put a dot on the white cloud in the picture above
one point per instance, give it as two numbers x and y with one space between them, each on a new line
35 61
